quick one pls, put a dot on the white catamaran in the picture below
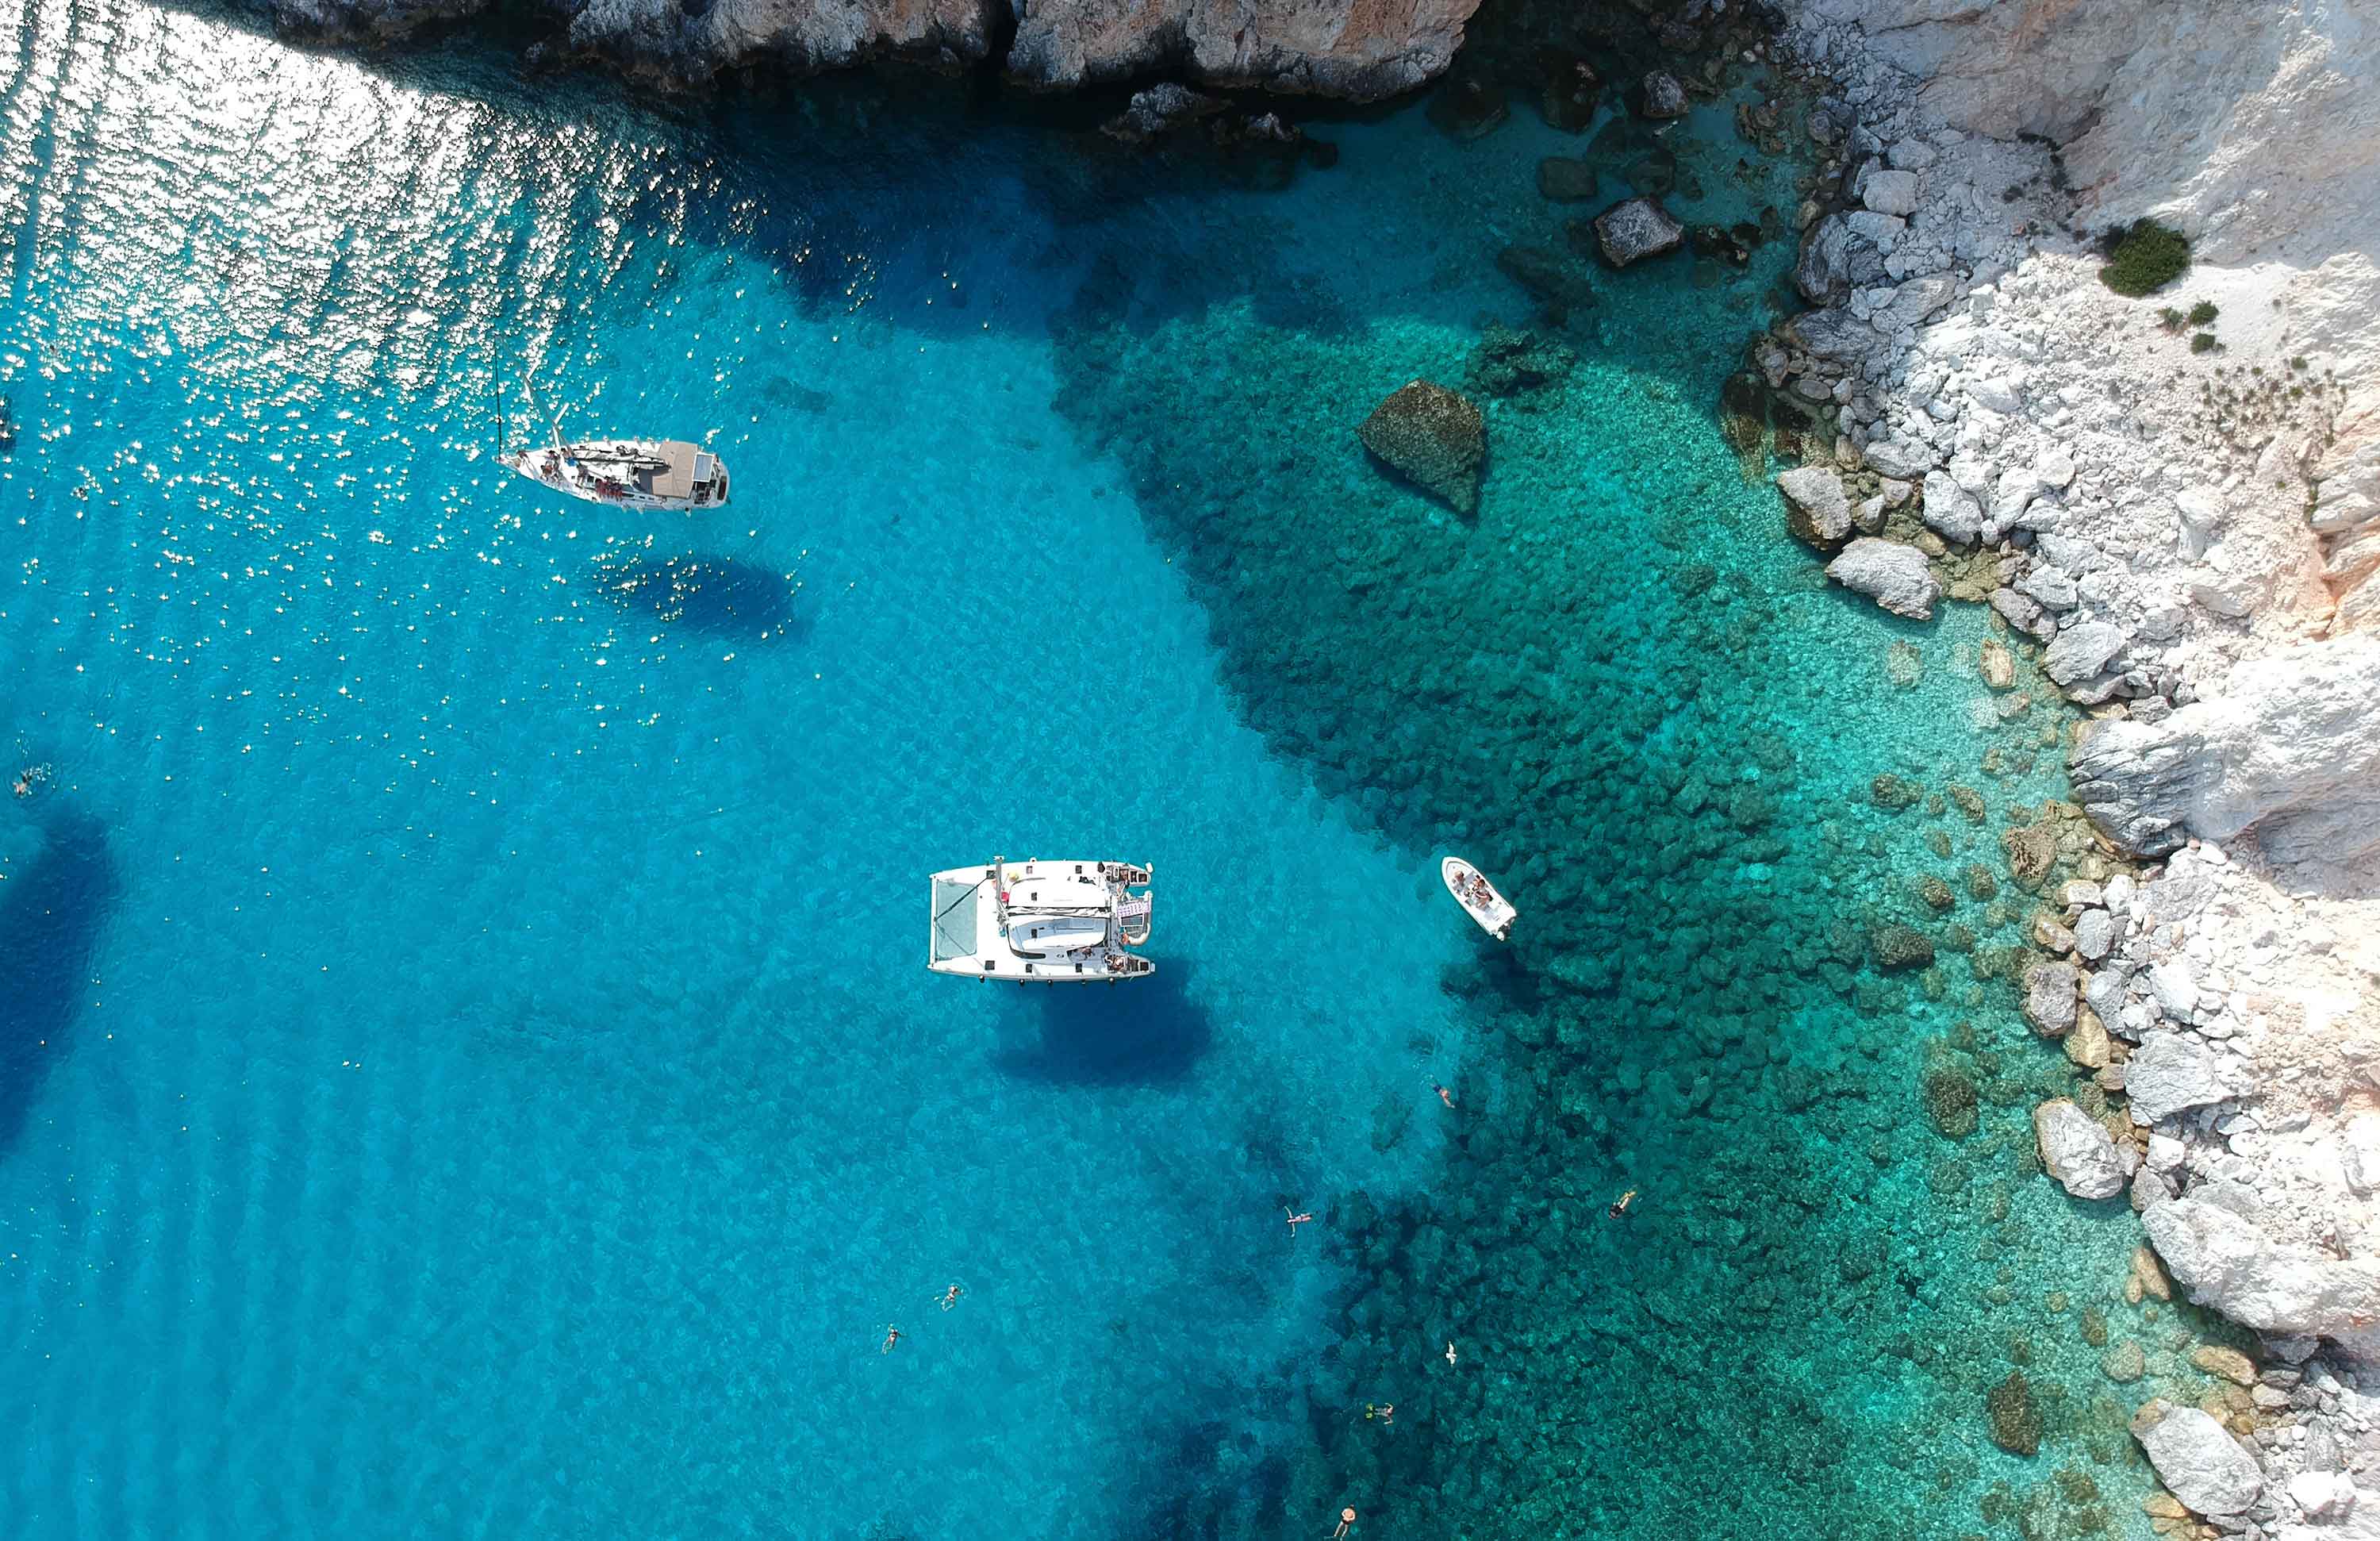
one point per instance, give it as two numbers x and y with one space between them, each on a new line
1040 922
623 473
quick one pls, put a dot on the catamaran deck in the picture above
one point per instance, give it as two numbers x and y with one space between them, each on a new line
1040 922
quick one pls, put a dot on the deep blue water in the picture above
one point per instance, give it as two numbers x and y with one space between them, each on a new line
466 1069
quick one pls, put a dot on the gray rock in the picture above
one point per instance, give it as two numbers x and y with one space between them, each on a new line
1915 300
2103 991
2094 933
1158 111
1663 97
2149 1187
1837 336
1816 510
2052 588
2077 1151
1890 192
2049 1002
1894 576
1909 155
1636 228
2023 613
2081 652
1899 459
2175 987
1823 272
2198 1461
1950 512
2171 1073
2292 747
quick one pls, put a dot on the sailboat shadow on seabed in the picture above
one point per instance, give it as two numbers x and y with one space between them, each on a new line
1150 1034
53 911
720 596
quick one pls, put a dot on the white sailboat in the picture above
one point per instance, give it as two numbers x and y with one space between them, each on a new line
1040 922
1478 897
623 473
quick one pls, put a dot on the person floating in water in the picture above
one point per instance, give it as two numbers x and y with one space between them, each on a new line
1383 1412
891 1336
1296 1220
950 1297
1619 1205
28 779
1443 1095
1346 1523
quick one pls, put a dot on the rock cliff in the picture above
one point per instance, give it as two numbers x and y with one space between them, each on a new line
1360 50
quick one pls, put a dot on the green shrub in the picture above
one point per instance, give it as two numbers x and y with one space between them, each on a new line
2203 343
2145 259
2203 312
2172 319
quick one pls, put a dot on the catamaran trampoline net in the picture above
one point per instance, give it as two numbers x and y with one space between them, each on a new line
955 918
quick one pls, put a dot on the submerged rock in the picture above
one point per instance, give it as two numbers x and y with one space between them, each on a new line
1950 1100
1553 277
2197 1459
1898 947
1562 179
1507 362
1894 576
1636 228
2016 1422
2124 1363
1433 436
2077 1151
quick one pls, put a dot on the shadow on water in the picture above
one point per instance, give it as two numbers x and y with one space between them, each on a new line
1148 1032
719 595
52 913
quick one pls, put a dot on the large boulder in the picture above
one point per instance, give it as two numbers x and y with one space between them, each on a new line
2228 1264
1817 509
1894 576
2199 1463
1635 228
2049 1002
2291 747
1565 179
1158 111
1433 436
1662 97
2171 1073
1823 270
2082 650
2077 1150
1951 511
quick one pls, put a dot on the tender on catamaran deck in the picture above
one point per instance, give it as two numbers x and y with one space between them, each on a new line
1041 922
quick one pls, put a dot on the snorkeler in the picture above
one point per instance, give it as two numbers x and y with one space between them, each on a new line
1443 1095
891 1336
950 1297
1296 1220
1619 1205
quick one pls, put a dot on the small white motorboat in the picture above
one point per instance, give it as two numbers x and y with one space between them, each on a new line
1478 897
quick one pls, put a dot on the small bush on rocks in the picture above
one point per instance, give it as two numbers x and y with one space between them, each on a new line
2203 343
2202 313
2145 259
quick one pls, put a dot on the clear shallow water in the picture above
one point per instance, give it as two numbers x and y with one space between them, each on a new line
465 1065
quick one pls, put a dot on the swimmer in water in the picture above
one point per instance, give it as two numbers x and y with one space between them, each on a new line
1296 1220
1619 1205
1443 1095
950 1297
891 1336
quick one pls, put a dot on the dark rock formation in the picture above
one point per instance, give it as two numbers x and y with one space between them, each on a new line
1636 228
1663 97
1434 437
1158 111
1565 181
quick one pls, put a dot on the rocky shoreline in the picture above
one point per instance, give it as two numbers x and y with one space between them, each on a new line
2185 536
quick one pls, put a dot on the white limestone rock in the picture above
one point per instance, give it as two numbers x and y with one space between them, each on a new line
2083 651
1950 511
2229 1265
2291 749
1816 510
2077 1151
1896 577
2197 1459
1890 192
2171 1073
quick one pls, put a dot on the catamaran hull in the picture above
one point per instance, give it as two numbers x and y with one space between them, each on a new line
1040 922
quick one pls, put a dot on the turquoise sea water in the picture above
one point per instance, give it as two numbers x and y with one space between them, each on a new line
466 1069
